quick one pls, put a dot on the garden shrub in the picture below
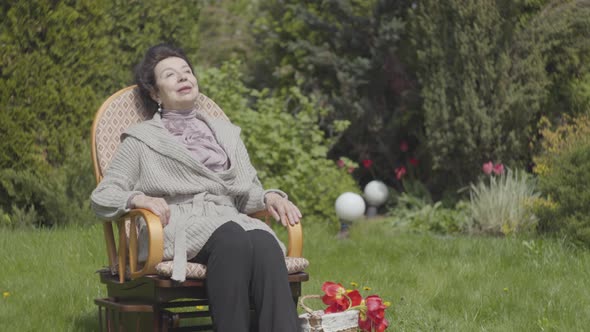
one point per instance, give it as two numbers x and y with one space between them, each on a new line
502 204
563 168
348 54
58 61
49 197
19 218
288 150
421 213
562 31
482 84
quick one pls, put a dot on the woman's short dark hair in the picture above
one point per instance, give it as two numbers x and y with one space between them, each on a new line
144 71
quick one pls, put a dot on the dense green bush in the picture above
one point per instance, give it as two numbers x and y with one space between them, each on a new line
289 151
481 87
418 213
562 31
568 187
54 197
58 61
564 178
225 31
348 54
455 83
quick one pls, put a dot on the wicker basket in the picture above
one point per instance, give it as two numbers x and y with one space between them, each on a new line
318 321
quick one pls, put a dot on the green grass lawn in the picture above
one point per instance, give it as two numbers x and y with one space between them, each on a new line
434 283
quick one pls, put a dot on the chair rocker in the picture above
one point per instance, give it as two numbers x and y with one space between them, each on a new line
141 296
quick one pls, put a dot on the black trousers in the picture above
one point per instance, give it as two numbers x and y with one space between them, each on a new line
241 265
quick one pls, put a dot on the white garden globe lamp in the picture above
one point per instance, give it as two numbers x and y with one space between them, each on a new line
376 193
349 207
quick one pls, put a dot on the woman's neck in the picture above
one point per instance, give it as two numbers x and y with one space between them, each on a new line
170 113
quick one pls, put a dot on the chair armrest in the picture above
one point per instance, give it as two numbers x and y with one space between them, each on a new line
128 242
155 243
295 234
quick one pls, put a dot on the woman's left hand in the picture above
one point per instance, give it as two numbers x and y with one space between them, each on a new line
282 209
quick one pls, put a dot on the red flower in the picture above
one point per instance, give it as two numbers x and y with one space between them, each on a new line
367 163
498 169
350 170
338 299
400 172
340 163
352 298
403 146
332 289
487 168
414 161
372 315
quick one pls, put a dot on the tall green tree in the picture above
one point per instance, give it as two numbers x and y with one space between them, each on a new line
448 84
346 54
562 31
225 31
460 82
482 86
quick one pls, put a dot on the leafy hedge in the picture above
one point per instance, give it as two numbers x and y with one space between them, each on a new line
58 61
54 197
347 53
562 31
482 85
289 151
564 178
454 83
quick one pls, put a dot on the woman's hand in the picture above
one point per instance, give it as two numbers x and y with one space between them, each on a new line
155 204
282 209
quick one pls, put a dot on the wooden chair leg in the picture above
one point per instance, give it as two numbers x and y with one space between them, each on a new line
110 321
100 319
137 320
161 323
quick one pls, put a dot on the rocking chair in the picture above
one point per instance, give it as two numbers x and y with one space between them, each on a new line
141 296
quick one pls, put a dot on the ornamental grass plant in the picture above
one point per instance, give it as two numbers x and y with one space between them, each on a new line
501 204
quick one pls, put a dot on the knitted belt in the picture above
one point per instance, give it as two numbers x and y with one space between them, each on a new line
201 204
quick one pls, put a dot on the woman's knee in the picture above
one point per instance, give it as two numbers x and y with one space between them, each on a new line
263 241
232 241
265 247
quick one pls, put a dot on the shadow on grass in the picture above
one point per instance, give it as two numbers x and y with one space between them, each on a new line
86 322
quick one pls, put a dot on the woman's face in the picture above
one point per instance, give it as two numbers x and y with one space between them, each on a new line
176 83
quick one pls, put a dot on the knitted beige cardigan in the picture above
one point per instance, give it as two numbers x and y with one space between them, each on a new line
150 161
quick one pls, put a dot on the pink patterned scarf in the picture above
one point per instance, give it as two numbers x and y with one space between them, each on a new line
197 137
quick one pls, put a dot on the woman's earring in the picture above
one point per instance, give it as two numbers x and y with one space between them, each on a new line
159 108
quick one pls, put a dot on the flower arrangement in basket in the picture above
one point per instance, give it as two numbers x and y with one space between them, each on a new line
347 311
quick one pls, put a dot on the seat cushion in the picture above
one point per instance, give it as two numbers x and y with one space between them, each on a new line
199 271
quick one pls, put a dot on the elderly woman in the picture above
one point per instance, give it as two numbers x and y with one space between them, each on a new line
194 173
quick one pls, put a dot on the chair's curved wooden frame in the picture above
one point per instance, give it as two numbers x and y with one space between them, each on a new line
154 226
146 292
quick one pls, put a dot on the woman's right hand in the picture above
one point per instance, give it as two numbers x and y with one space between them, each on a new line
155 204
